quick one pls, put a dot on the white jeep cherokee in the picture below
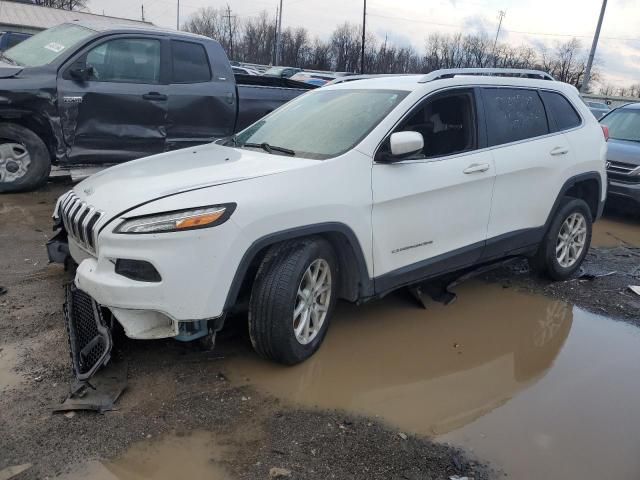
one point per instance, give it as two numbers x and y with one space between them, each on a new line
347 192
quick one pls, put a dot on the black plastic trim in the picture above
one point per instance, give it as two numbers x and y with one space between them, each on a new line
429 268
138 270
366 285
565 188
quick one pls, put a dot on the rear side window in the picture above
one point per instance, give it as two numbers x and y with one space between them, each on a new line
190 62
513 114
562 112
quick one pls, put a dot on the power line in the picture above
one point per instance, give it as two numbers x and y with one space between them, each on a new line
458 26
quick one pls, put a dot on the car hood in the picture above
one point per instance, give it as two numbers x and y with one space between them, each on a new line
7 70
129 185
623 151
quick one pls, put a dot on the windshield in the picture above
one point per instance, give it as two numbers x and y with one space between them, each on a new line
323 124
624 124
274 71
46 46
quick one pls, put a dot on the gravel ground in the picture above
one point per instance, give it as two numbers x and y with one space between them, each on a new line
173 389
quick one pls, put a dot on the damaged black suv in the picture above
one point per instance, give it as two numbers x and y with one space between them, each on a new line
94 95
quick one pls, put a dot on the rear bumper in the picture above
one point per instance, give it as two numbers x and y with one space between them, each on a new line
624 190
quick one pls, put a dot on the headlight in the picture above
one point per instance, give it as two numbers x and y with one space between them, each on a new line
178 220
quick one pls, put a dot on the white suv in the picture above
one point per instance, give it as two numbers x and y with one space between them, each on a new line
347 192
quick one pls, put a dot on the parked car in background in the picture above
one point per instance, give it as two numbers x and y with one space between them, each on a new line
11 39
244 71
313 78
84 94
282 72
623 155
348 192
599 109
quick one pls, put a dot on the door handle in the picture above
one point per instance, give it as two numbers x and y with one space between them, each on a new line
559 151
158 97
476 168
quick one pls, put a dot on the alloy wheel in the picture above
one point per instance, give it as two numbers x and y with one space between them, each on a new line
312 301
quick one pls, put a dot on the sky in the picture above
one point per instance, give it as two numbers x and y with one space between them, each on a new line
408 22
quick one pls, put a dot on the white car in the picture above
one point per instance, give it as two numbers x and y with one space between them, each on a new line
347 192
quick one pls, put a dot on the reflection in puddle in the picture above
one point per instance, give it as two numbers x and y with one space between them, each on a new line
427 371
580 421
539 389
190 457
8 358
613 232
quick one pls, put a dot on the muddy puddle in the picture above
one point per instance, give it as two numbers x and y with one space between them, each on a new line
616 230
535 386
195 456
8 359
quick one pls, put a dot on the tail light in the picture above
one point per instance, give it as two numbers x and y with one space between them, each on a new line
605 131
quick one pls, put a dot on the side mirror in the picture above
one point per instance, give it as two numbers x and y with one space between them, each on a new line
405 144
81 72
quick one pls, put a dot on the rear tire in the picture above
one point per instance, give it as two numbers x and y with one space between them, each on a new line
292 300
567 242
25 162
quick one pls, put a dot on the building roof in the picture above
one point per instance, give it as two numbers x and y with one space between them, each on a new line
41 18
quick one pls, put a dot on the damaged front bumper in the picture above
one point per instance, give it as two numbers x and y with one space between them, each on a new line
58 248
90 339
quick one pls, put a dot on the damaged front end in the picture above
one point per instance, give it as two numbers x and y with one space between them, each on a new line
90 339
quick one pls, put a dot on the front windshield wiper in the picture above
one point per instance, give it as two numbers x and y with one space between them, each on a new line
269 148
8 59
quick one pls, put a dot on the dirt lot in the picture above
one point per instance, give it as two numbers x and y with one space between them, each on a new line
396 392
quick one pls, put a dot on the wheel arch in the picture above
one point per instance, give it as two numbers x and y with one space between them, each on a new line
355 282
586 186
35 122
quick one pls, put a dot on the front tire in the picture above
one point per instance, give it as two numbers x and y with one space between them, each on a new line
25 162
567 242
292 300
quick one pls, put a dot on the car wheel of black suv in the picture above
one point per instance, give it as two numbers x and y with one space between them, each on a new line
24 159
293 297
567 242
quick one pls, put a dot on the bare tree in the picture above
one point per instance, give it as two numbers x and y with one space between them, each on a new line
253 40
62 4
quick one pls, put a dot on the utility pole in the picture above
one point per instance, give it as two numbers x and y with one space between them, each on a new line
178 16
364 24
592 53
142 8
279 35
230 31
501 15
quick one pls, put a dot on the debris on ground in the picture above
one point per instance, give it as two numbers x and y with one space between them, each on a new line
3 290
635 289
277 472
403 436
13 471
593 276
101 393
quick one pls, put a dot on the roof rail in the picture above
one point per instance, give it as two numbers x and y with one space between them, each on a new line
349 78
492 72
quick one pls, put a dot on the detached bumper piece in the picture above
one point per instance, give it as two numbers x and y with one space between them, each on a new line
58 248
90 339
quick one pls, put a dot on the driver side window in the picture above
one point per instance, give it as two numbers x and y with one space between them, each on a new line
447 123
129 60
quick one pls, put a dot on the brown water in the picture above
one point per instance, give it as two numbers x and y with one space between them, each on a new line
616 231
541 389
192 457
8 358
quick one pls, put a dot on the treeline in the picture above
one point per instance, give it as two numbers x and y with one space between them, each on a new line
253 40
63 4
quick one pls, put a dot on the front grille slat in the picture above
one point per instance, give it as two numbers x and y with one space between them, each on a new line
80 220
